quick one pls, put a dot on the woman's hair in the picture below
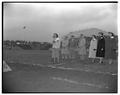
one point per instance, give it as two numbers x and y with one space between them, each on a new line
111 33
94 36
56 34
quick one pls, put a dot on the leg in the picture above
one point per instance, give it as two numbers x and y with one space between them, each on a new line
58 55
93 60
68 58
80 57
110 61
71 53
101 60
65 56
83 57
62 57
58 59
53 55
53 60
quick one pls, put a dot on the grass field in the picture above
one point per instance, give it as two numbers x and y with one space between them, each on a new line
27 56
62 78
44 57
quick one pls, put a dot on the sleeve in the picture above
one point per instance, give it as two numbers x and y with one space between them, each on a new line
57 40
114 43
103 45
69 43
60 44
84 41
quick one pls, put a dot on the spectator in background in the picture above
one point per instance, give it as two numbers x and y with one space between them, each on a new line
82 47
110 48
101 47
93 48
64 49
72 47
56 48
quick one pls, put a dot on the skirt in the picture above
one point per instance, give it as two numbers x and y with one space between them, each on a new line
65 51
55 53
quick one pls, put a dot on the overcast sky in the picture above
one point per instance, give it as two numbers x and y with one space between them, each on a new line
43 19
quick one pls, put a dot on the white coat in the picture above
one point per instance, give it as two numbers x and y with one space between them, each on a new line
93 48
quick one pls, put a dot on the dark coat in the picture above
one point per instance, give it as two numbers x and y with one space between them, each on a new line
110 48
100 47
71 43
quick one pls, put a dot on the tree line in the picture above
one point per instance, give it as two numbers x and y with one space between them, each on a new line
26 45
34 45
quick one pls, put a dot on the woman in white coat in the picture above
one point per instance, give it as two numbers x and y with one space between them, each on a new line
93 48
56 48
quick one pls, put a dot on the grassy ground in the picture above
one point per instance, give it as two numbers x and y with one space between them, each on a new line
27 56
29 78
44 57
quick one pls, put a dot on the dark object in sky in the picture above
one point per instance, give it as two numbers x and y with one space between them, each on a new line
24 27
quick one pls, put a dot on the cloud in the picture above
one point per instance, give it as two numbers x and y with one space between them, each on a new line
43 19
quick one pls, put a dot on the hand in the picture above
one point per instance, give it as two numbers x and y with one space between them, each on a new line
102 49
53 41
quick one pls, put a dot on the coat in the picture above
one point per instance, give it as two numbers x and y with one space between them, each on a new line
82 46
71 43
56 43
64 49
93 48
101 47
110 48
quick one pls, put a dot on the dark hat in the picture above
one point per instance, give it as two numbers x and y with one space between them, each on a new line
111 33
56 34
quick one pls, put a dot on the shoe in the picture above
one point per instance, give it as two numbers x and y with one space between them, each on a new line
101 62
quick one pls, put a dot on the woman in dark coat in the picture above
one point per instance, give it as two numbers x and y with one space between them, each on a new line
71 46
111 47
101 47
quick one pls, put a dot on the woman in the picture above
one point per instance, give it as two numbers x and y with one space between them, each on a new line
93 48
101 47
72 47
111 48
64 50
82 47
56 48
